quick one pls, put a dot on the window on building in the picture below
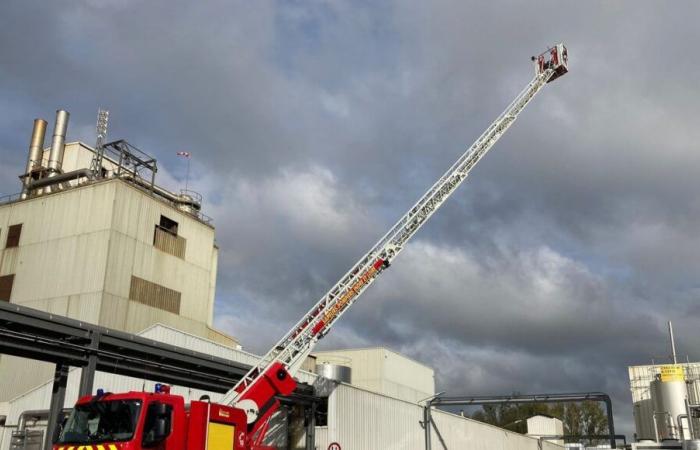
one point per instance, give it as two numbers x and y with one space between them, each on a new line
6 282
165 238
169 225
155 295
13 234
322 413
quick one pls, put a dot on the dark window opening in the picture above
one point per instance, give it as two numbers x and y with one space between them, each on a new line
168 225
6 283
322 413
165 238
13 234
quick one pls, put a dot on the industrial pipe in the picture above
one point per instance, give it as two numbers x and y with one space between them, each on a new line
59 178
539 398
655 415
679 419
691 430
36 153
58 143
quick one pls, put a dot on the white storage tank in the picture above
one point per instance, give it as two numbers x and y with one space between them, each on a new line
335 372
669 393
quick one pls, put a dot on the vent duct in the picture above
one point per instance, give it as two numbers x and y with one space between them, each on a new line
58 143
36 153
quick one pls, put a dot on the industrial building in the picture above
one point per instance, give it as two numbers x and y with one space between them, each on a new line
356 417
666 403
92 237
542 426
665 399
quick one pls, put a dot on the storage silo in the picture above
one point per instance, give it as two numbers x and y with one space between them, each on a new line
335 372
669 393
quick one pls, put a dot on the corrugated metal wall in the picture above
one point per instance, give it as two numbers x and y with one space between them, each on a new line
132 253
153 294
363 420
169 243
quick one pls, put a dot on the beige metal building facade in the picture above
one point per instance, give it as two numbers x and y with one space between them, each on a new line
108 252
384 371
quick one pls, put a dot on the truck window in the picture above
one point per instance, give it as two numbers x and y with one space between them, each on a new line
101 421
157 411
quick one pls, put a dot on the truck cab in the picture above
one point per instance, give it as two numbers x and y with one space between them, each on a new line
157 420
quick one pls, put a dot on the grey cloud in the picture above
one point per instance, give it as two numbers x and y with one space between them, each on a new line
314 126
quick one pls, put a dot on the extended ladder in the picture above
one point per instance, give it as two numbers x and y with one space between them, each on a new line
297 344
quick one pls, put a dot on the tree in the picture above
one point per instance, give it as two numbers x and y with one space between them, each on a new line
579 419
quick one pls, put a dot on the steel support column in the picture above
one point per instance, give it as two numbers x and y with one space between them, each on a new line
87 373
58 396
310 412
611 422
427 424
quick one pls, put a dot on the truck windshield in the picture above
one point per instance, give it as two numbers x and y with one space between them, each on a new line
101 421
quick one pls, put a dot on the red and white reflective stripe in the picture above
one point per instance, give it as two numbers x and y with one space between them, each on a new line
87 447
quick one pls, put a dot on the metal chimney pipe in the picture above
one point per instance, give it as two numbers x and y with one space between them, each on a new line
673 342
36 153
58 144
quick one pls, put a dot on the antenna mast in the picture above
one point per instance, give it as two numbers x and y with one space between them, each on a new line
101 129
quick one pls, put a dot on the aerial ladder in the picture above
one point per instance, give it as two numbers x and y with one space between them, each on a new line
241 421
273 374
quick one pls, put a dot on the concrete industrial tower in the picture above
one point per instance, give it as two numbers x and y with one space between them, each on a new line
102 243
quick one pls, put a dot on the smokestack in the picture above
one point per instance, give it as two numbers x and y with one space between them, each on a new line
673 343
36 152
58 144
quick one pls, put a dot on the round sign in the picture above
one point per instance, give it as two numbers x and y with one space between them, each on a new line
334 446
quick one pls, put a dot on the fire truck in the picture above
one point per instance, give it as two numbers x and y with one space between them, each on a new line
141 420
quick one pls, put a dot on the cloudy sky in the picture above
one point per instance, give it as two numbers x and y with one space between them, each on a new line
315 125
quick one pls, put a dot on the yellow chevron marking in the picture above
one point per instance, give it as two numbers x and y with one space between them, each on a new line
112 447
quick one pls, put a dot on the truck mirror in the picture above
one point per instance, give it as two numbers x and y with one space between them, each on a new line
161 409
160 431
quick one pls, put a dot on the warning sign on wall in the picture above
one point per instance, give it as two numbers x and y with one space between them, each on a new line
334 446
672 372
